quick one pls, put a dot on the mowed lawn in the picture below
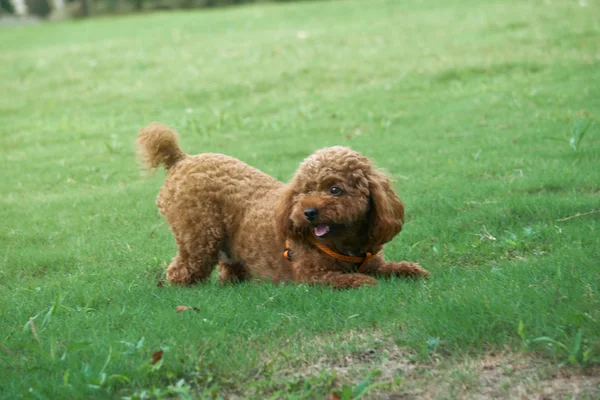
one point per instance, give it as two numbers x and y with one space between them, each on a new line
486 113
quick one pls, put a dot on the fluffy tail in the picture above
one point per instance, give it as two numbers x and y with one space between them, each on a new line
158 145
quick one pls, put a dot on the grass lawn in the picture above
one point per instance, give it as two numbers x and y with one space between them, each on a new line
478 109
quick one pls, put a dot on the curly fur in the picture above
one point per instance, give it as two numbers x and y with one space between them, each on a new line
224 212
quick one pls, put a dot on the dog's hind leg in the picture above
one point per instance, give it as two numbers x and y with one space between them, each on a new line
232 272
197 251
195 267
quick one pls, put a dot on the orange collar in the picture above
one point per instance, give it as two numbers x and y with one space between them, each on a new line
341 257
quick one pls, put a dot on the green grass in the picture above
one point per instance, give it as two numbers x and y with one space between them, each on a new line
469 105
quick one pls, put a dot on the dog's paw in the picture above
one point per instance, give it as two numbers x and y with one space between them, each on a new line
349 281
179 275
405 268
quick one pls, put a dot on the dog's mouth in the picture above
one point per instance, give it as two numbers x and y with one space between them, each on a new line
321 230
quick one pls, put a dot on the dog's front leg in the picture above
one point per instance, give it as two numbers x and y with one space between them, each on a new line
378 266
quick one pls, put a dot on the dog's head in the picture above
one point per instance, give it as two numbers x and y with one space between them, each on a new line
337 193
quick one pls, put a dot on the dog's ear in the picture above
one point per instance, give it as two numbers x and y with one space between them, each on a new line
386 216
284 224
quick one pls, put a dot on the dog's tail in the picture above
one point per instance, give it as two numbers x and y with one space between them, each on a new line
156 145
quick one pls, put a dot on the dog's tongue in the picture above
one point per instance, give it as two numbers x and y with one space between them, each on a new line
321 230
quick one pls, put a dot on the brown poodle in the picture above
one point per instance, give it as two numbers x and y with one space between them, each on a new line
328 226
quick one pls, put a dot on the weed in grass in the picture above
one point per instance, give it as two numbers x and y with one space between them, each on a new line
318 385
577 353
426 350
131 348
578 131
580 128
181 390
47 316
114 146
351 392
464 379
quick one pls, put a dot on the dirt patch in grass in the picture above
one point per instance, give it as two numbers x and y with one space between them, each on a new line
503 375
506 375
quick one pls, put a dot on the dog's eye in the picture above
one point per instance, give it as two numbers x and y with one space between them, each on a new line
336 191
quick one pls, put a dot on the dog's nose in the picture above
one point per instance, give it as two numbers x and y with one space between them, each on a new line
311 213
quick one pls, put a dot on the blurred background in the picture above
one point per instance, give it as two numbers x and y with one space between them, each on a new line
26 10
